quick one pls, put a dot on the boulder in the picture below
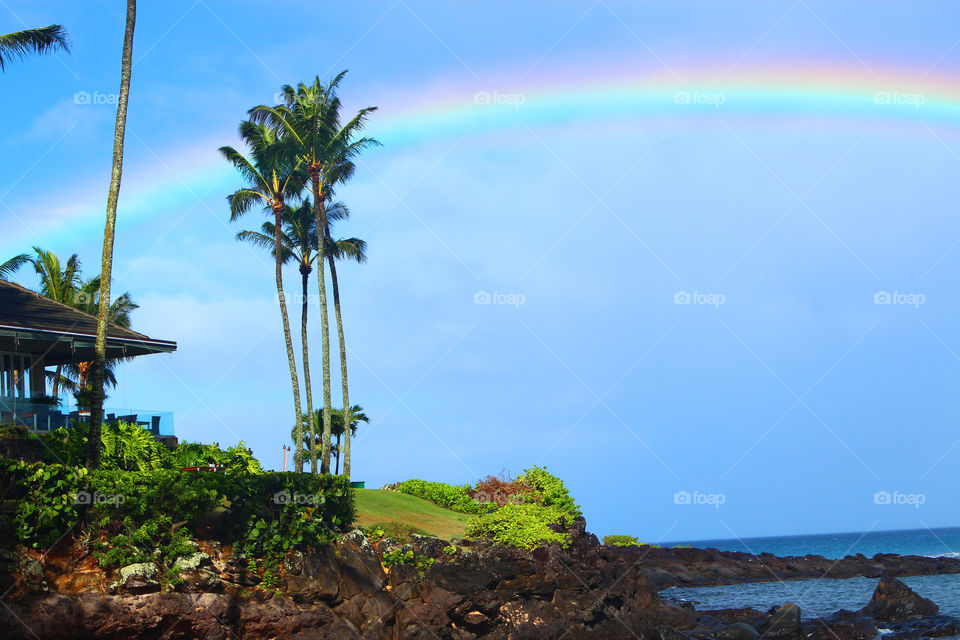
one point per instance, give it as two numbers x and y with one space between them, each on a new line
360 568
783 622
312 576
894 601
138 578
737 631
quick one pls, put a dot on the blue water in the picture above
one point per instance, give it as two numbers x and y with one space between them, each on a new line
822 596
920 542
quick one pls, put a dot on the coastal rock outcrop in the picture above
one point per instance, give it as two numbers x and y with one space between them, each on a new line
465 591
894 601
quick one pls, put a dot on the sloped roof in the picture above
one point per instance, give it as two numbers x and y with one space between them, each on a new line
27 316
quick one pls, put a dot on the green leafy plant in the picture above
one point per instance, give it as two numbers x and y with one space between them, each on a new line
552 491
520 525
621 541
44 498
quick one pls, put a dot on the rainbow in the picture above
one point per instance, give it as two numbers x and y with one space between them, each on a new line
905 102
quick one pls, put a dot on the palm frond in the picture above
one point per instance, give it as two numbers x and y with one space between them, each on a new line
40 41
9 267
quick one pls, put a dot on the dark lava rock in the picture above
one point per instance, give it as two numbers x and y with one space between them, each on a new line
737 631
360 568
894 601
312 576
784 622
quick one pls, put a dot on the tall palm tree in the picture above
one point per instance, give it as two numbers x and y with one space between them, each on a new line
43 40
272 174
298 239
343 249
9 267
106 268
310 117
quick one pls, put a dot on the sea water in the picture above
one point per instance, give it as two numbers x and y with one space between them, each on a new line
824 596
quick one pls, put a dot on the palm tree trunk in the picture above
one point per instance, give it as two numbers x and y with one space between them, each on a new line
294 379
347 415
56 381
106 269
337 468
321 222
305 281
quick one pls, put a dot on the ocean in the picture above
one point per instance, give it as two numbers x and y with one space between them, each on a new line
824 596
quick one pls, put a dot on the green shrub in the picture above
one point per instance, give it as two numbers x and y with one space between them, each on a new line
621 541
519 525
448 496
553 492
45 499
235 459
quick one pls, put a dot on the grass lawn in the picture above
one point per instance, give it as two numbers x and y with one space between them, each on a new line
374 506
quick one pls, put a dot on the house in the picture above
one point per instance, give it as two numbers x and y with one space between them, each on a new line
36 335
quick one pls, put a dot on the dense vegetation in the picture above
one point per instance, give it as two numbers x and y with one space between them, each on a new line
140 507
533 509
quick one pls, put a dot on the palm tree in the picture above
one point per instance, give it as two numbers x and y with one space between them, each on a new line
272 174
343 249
85 299
356 416
106 268
10 267
60 282
310 117
43 40
63 282
337 429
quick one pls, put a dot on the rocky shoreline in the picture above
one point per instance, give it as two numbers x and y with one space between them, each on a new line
708 567
460 591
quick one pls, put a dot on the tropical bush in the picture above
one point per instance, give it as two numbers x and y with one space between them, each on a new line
520 525
155 515
552 491
44 498
621 541
448 496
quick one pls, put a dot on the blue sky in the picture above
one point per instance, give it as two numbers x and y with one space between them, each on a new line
782 387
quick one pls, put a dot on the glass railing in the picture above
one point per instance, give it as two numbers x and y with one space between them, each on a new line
47 417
